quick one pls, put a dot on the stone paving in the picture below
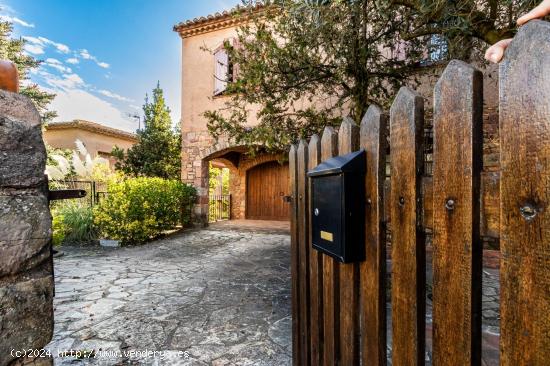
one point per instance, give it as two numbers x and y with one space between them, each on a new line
205 297
218 296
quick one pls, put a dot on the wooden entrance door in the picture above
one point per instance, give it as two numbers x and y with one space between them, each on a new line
266 185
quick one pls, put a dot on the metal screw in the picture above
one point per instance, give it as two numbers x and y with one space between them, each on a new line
450 204
300 197
528 211
401 201
369 201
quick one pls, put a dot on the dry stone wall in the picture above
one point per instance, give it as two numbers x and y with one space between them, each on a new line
26 268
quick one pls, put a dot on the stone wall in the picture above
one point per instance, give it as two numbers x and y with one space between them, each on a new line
26 268
198 148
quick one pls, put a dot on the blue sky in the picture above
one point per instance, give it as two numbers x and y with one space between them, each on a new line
102 56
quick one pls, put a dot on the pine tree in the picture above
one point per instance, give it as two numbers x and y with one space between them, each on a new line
12 49
157 152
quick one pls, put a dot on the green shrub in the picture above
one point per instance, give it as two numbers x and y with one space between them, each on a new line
72 223
139 209
58 231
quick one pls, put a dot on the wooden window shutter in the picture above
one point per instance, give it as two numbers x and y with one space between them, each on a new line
221 68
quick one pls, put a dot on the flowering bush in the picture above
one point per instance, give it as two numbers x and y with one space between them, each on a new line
139 209
69 165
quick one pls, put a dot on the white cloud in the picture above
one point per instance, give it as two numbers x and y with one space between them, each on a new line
33 40
59 46
62 48
110 94
7 18
66 81
53 61
34 49
44 42
85 54
79 104
72 60
58 65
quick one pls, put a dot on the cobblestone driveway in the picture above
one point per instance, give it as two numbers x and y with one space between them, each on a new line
217 296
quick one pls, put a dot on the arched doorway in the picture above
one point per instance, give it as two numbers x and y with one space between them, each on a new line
266 186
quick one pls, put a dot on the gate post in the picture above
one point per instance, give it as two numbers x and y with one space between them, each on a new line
525 197
26 268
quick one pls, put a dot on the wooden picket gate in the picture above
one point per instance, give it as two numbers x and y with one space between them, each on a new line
339 310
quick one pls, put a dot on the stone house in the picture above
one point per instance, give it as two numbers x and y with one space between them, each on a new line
257 184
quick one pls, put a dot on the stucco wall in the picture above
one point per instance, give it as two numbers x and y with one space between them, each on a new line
94 142
198 79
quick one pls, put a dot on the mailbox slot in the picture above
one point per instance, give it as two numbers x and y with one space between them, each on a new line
337 188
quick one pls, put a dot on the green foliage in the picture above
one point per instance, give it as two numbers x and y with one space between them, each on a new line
139 209
307 63
58 231
73 223
157 152
12 49
215 174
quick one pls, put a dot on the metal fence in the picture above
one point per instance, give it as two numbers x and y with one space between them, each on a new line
94 190
219 207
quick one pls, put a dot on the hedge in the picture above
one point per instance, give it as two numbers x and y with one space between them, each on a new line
139 209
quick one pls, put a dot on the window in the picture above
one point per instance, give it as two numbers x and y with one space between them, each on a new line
223 69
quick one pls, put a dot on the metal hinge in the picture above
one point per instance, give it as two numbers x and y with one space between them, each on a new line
65 194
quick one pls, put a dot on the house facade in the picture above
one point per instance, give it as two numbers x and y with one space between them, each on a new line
98 139
257 184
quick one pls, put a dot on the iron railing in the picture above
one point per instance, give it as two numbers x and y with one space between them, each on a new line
219 207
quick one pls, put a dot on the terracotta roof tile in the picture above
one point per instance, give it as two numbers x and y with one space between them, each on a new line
215 21
93 127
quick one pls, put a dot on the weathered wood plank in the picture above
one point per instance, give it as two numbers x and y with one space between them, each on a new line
331 290
408 250
315 271
348 141
490 203
294 257
525 197
458 251
303 244
373 139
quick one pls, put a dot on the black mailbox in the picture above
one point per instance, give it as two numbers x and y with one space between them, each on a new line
338 207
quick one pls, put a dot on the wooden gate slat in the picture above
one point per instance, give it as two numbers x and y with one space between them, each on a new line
373 139
525 197
315 271
457 248
331 309
294 257
408 251
348 141
303 229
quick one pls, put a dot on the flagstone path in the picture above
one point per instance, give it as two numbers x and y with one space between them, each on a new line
218 296
206 297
